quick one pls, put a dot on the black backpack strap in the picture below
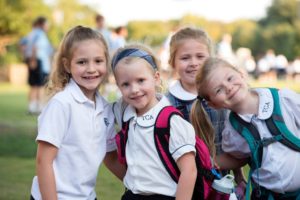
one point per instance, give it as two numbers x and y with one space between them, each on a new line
161 139
251 135
277 126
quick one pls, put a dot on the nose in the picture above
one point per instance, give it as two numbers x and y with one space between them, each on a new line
134 88
229 87
194 62
91 68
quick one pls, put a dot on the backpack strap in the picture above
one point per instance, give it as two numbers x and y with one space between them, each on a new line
251 135
278 128
121 140
161 139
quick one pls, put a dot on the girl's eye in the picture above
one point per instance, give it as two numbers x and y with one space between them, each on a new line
230 78
201 57
218 91
99 61
81 62
125 85
184 58
141 80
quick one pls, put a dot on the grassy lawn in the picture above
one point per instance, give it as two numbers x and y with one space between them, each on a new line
17 146
17 149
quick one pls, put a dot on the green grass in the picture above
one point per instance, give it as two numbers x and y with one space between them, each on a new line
17 146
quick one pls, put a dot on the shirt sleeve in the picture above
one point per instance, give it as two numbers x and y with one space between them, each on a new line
52 123
233 142
118 109
290 101
182 137
111 133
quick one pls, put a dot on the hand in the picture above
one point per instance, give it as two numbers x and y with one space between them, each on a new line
32 64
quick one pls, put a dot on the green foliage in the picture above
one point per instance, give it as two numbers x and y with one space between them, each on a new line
280 28
151 33
281 11
66 15
16 19
16 14
244 34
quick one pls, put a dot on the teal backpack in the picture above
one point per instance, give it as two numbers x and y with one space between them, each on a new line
280 133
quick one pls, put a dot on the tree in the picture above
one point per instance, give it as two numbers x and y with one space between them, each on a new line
280 28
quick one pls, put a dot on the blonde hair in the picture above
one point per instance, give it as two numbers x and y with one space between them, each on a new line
199 118
59 76
188 33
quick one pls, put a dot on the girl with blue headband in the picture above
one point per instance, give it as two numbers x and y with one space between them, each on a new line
136 72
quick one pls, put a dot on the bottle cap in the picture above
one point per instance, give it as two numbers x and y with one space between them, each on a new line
224 185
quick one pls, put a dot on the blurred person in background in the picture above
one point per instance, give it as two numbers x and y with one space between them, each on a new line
119 36
37 54
100 27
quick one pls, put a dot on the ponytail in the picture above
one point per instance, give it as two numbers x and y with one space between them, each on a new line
203 126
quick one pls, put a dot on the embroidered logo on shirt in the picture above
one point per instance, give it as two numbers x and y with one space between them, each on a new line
266 107
147 117
106 122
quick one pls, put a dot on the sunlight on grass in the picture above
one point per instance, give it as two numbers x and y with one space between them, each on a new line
9 88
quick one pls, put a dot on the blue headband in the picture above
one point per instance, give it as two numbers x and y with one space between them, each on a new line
133 53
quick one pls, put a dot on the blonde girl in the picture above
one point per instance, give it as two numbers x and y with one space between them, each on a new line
189 48
136 71
223 86
76 128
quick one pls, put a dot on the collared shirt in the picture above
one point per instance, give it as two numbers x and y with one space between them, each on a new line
183 101
280 167
83 131
145 173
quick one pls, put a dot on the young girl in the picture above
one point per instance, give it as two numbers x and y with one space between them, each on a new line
136 72
76 128
222 86
189 48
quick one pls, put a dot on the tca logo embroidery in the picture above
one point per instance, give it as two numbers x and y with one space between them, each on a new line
147 117
266 107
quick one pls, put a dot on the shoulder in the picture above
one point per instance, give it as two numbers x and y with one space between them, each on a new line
289 100
170 97
288 94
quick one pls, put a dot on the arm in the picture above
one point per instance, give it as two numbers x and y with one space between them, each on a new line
45 156
239 176
112 163
225 161
188 175
240 180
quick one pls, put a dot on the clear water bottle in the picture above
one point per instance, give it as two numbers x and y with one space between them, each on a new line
223 188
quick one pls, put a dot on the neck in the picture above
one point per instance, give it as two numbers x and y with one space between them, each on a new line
249 105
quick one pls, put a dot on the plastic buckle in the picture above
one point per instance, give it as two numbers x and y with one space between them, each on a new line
267 141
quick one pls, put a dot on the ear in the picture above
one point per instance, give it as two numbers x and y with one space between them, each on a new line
66 65
157 78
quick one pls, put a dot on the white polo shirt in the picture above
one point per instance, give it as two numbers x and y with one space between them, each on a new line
83 132
280 169
145 173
